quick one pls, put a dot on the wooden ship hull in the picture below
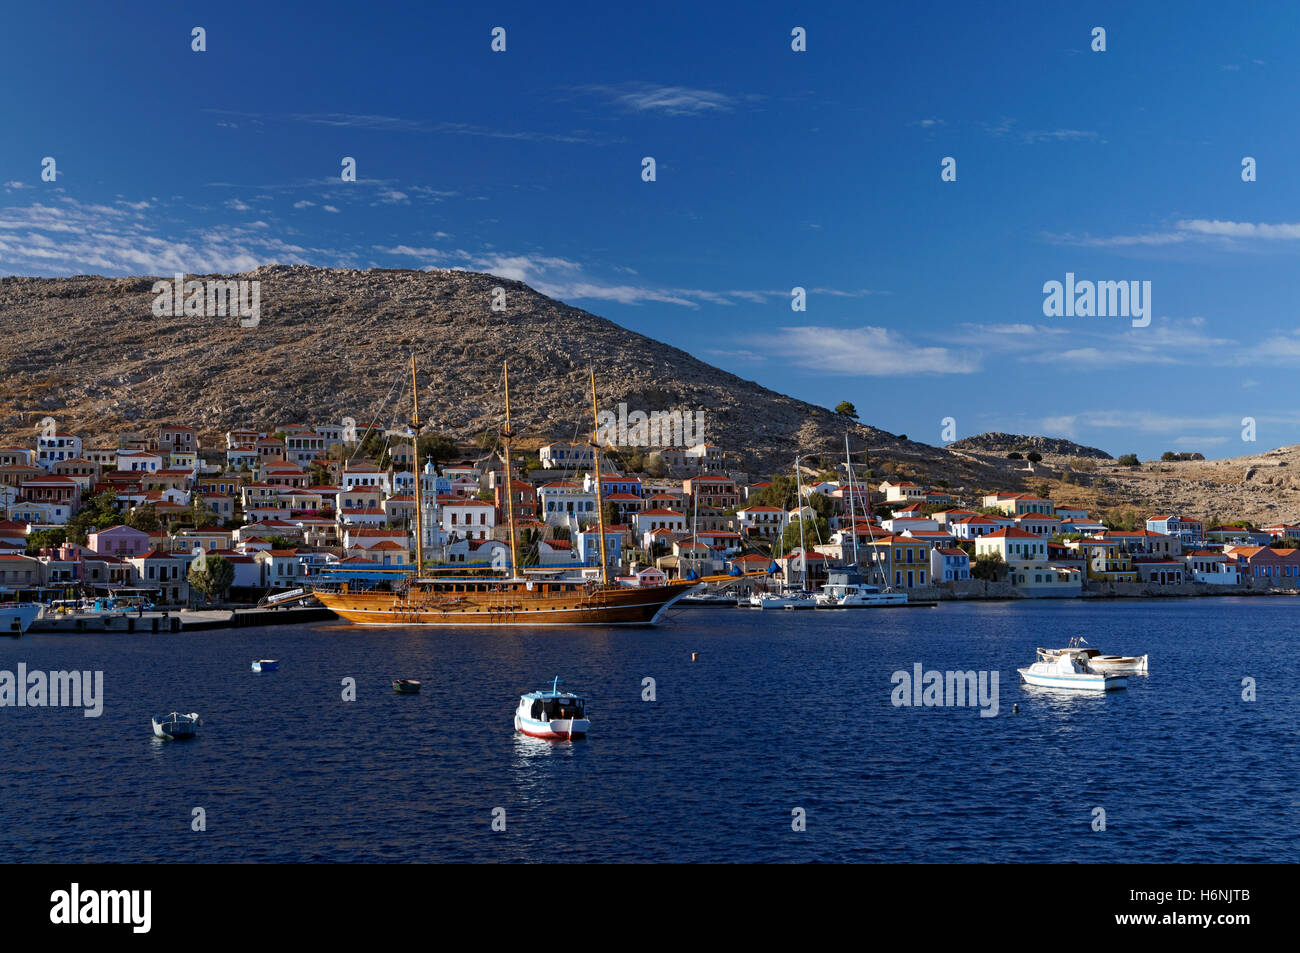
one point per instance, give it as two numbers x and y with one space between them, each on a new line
500 603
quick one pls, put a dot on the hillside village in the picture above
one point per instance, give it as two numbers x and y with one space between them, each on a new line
82 516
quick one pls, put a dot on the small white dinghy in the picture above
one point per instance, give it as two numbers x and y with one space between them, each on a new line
1070 670
1119 664
175 726
266 665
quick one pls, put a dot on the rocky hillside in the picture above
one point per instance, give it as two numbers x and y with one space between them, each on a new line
1263 488
89 352
1007 442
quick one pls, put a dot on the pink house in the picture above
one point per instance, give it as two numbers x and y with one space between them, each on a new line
119 541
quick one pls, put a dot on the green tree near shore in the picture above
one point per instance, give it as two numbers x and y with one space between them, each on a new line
988 566
212 575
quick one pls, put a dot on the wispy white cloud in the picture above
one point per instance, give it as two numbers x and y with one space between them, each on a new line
863 351
666 100
572 281
1226 233
71 237
1203 226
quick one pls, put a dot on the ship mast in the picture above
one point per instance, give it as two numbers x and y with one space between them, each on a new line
506 433
600 498
798 502
853 522
415 444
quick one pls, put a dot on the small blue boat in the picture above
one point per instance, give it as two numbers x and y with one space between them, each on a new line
266 665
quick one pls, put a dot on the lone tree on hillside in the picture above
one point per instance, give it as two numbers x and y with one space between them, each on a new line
846 409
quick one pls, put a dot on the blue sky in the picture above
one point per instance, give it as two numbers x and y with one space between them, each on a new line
776 169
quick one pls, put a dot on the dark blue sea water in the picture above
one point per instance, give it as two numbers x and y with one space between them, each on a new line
782 711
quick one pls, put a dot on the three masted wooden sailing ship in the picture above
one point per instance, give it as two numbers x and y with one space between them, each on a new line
513 598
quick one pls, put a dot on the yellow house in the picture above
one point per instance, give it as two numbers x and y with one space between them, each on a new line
904 561
1018 504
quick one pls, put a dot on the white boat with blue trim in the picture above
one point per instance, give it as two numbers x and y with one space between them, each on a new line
1070 670
552 714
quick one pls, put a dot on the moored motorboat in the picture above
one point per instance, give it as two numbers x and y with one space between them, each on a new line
707 599
17 617
846 590
790 599
406 686
175 726
1115 664
1070 670
266 665
552 714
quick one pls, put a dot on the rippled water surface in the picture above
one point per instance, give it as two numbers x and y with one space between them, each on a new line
783 710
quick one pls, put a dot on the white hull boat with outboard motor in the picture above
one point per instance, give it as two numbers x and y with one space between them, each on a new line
17 617
1070 670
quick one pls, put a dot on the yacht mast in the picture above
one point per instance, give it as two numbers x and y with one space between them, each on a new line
506 434
798 504
853 523
415 444
600 498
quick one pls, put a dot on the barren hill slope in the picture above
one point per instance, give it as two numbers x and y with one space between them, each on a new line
89 352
